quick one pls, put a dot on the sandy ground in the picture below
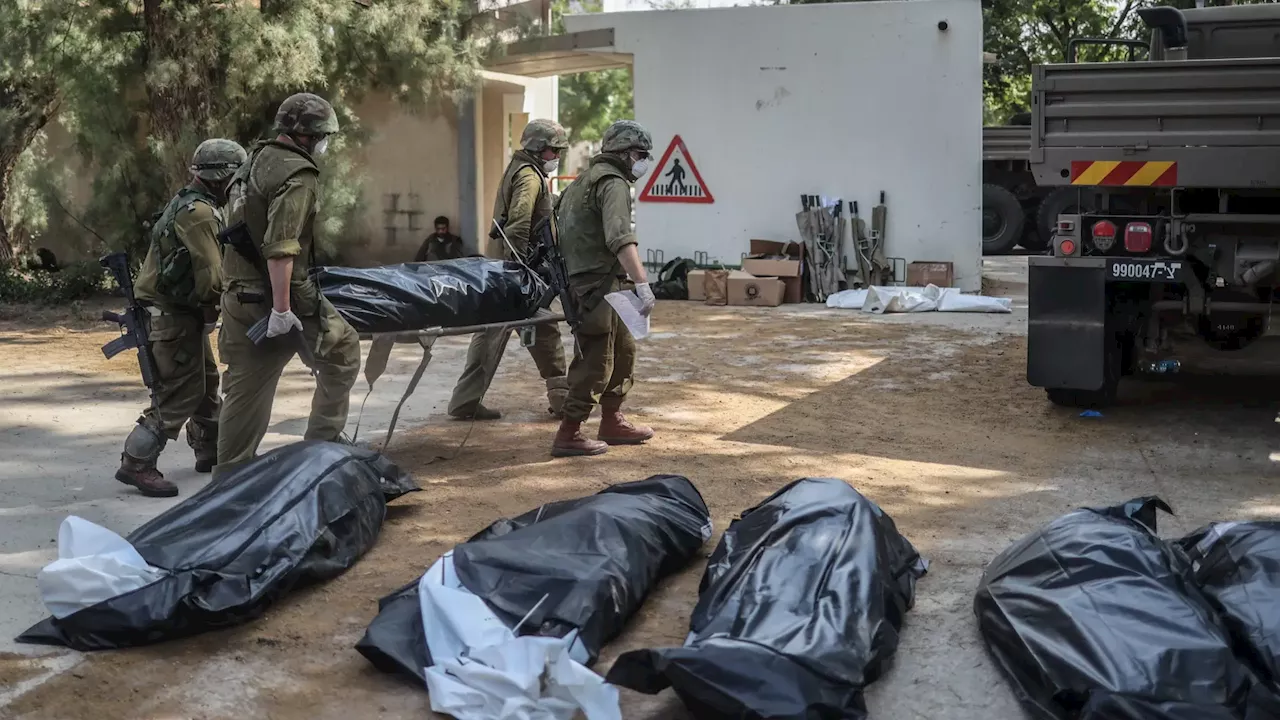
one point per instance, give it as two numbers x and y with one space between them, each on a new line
930 416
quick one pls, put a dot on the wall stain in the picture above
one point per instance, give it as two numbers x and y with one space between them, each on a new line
780 94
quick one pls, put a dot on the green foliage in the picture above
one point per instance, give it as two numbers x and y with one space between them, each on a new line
590 101
153 78
76 281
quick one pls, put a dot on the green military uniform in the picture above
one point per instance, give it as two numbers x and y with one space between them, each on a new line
523 202
595 212
274 194
181 283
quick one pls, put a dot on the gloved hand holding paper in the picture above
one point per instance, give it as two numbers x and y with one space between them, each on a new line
630 307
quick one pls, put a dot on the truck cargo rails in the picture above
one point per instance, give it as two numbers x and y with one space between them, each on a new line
1168 213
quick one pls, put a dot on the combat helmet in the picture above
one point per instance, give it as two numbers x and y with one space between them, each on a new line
306 114
541 134
217 159
626 135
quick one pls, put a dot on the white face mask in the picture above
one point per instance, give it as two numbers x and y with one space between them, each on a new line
640 167
322 145
551 166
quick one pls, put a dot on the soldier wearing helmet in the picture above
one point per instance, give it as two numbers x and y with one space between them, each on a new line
523 204
601 255
273 201
181 282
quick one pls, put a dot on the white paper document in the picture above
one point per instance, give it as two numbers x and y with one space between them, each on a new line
627 304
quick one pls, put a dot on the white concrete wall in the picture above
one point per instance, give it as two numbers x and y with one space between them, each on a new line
842 100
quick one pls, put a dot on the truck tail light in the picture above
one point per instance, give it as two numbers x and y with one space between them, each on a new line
1137 237
1104 235
1067 247
1066 226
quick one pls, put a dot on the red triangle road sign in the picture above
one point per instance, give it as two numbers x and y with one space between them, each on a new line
676 179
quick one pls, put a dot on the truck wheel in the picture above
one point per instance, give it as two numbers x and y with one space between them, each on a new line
1033 237
1058 202
1002 219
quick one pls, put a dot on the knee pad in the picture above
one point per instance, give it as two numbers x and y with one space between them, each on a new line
202 436
144 443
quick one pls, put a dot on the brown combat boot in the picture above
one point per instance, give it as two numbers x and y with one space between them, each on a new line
615 430
203 440
146 478
570 442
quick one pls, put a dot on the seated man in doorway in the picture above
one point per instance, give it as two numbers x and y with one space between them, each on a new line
440 245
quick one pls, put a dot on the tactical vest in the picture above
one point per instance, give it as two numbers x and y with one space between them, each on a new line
582 239
502 203
252 188
175 281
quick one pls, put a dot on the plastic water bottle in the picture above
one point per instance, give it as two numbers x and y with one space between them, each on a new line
1163 367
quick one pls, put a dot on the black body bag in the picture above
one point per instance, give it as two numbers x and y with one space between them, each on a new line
584 564
416 296
297 515
1094 617
799 610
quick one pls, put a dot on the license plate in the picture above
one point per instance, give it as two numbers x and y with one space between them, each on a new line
1124 270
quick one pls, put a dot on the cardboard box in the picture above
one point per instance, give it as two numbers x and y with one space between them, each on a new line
756 291
920 274
772 267
695 280
769 258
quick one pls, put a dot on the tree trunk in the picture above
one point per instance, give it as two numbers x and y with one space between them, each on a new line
33 115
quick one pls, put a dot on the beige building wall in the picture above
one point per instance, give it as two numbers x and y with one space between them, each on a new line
410 174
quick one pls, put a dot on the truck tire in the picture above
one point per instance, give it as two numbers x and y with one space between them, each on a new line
1002 220
1062 200
1033 237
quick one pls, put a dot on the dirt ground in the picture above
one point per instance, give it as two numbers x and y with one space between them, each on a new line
936 424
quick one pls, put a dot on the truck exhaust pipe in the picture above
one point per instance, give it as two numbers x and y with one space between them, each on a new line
1172 25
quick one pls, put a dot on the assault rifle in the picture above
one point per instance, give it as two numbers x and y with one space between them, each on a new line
134 321
545 258
237 237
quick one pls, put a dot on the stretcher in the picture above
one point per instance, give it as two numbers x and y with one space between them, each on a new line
382 343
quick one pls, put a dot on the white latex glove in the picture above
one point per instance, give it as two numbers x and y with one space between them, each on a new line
282 323
645 293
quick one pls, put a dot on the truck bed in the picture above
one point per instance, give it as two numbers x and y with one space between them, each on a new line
1217 121
1006 142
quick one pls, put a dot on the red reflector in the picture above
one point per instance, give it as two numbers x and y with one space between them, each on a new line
1068 247
1104 228
1137 237
1066 226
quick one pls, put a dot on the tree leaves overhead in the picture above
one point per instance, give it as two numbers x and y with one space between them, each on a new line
591 101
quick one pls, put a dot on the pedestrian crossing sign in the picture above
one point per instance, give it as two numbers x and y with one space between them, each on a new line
676 179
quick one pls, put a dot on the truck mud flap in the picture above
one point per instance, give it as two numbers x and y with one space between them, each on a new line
1066 323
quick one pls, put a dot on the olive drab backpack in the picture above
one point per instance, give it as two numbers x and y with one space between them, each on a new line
174 276
673 280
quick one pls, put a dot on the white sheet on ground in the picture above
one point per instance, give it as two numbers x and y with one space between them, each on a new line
880 300
483 671
93 565
627 304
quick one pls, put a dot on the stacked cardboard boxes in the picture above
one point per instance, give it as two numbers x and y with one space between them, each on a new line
770 276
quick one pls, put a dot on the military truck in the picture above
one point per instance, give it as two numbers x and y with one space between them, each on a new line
1010 196
1173 234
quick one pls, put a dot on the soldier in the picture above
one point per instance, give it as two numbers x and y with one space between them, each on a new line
523 203
600 253
180 282
274 196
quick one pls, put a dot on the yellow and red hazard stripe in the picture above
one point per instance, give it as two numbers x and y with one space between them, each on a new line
1127 173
